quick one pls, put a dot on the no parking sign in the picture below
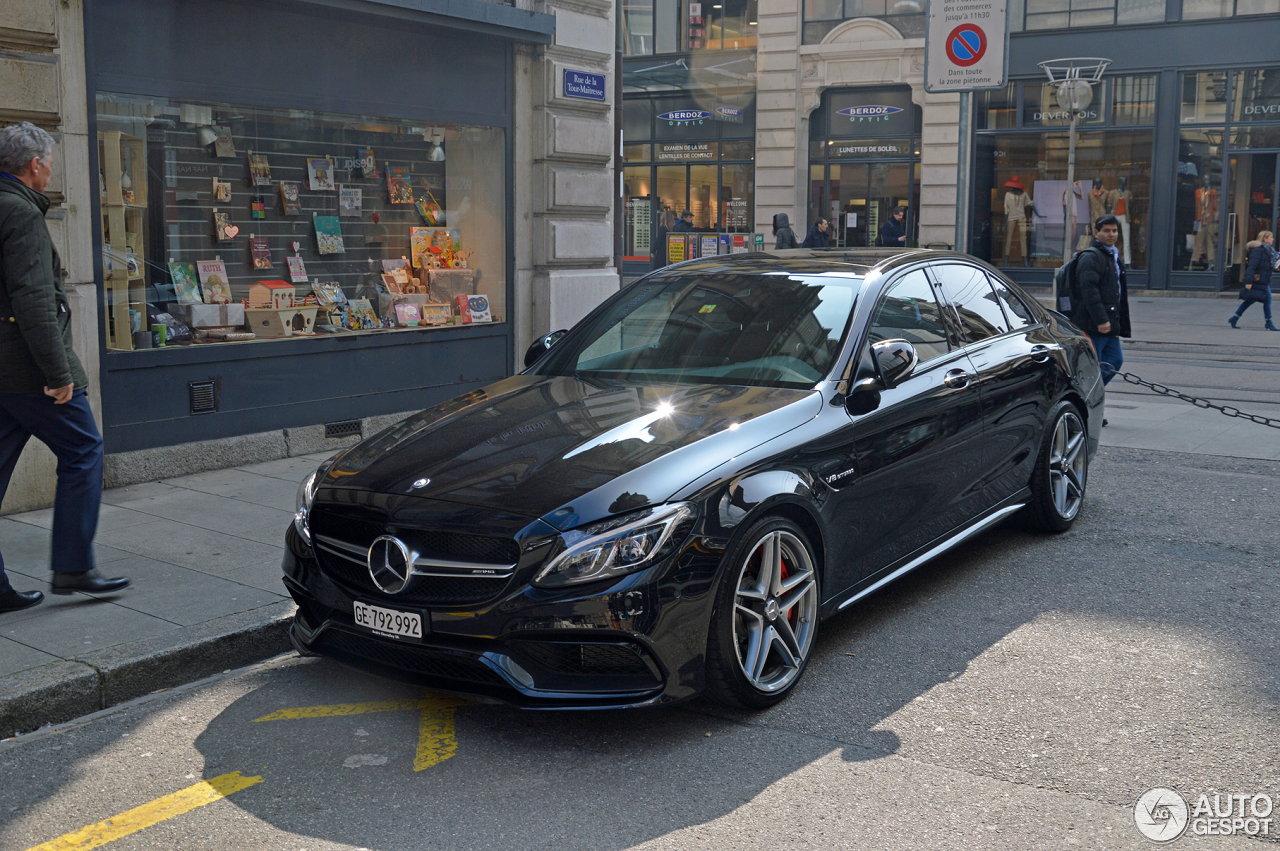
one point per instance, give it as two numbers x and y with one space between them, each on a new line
966 45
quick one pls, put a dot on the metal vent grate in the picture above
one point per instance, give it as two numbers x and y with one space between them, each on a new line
203 396
345 428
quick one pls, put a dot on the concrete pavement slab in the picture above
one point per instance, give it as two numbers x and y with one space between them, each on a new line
16 656
290 469
189 546
243 485
71 629
186 597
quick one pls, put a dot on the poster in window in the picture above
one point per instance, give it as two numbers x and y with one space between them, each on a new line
213 281
328 234
350 201
399 190
259 170
320 174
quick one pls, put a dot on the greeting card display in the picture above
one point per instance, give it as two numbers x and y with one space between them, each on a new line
222 145
223 227
185 288
297 270
399 190
260 251
320 174
259 171
328 234
214 282
350 201
368 165
290 204
221 190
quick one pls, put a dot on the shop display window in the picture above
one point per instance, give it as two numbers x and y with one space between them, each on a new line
1197 201
1022 177
996 109
224 222
1133 100
1257 95
1194 10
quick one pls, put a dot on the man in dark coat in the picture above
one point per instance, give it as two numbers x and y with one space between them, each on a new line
42 384
685 225
893 233
1100 305
818 236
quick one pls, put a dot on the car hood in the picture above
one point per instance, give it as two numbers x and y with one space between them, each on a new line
568 450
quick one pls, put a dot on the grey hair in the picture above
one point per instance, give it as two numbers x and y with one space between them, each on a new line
20 143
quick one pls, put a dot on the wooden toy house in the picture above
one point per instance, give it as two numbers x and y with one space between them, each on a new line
273 294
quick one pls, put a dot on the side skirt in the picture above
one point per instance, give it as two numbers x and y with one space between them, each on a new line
936 550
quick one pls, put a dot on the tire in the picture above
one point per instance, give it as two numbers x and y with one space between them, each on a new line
1061 473
765 617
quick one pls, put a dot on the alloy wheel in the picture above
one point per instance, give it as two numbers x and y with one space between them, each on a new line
775 611
1067 465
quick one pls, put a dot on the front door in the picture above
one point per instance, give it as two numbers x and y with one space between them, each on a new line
859 198
1251 207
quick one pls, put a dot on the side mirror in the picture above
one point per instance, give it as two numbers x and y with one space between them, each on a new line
540 346
894 359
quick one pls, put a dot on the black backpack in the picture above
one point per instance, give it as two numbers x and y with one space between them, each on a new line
1064 282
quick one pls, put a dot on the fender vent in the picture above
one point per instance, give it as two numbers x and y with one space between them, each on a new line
203 396
345 428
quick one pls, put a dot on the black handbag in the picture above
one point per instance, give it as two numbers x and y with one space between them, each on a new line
1258 292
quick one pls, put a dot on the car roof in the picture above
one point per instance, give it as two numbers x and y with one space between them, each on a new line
853 261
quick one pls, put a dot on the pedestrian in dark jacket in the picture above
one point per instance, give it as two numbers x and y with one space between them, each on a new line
818 236
1257 276
786 237
685 225
1102 309
893 233
42 384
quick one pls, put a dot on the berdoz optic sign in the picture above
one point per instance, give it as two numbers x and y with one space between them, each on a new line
966 45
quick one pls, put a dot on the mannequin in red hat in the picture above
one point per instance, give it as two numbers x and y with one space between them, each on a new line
1016 203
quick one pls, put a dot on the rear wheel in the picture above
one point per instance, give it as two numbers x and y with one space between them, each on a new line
1062 470
765 618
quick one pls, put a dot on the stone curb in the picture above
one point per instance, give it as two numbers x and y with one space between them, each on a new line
69 689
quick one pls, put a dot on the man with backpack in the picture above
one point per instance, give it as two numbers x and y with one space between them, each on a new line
1100 296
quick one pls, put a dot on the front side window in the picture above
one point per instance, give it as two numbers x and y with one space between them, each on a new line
910 312
975 302
767 330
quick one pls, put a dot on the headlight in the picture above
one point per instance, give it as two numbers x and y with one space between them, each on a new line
306 493
617 546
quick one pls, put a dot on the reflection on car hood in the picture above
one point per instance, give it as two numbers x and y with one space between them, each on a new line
569 450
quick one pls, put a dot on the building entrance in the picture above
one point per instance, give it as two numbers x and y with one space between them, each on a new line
1251 206
858 198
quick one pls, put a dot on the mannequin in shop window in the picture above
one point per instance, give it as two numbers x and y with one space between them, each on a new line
1016 203
1120 205
1206 225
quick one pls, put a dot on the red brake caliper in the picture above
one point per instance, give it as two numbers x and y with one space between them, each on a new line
785 574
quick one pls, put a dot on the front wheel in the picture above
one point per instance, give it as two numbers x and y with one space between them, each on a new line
1062 470
765 618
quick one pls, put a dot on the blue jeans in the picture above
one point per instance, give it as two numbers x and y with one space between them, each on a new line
1266 305
1109 356
68 430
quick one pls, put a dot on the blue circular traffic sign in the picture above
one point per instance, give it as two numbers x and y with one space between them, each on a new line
966 45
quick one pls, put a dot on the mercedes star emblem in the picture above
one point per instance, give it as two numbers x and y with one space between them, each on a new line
390 564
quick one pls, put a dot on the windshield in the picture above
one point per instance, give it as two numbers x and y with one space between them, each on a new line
772 330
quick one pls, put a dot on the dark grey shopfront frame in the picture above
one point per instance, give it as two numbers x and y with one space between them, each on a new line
1147 49
352 57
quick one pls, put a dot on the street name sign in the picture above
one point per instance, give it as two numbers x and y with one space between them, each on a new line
966 45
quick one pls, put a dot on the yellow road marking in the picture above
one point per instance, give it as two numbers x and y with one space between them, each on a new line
437 740
139 818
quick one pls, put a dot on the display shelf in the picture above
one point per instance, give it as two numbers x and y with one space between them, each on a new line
122 159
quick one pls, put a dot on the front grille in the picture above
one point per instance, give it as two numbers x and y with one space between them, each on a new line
427 590
563 657
414 659
449 546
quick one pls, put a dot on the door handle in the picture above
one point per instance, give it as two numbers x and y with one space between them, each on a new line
1040 354
956 379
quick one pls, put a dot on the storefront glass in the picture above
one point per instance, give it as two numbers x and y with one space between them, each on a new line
354 223
1194 10
1024 222
1204 97
822 16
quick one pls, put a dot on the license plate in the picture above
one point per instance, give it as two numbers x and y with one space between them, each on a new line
389 622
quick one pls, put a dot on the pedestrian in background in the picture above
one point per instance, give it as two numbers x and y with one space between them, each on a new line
893 233
42 384
818 236
785 237
1102 310
666 223
1257 278
685 225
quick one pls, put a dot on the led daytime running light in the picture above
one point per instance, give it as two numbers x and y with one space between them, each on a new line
614 547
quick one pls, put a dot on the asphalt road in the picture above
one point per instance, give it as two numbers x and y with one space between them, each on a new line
1022 692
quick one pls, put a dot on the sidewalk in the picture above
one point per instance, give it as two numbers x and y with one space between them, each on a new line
204 551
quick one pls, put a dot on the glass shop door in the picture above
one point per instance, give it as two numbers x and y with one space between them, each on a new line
860 197
1251 207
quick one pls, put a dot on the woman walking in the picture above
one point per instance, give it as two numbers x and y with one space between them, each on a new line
1257 278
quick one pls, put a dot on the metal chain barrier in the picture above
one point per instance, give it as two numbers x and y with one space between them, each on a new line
1199 403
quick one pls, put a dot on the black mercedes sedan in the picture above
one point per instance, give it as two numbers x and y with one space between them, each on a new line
675 494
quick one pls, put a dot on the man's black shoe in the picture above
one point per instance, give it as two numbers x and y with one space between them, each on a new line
12 601
89 581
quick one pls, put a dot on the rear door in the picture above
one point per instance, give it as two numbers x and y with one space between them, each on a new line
1015 362
914 462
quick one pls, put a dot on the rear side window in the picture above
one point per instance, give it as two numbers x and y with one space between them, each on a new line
1015 310
910 311
969 291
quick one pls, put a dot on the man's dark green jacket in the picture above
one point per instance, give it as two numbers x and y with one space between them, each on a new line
35 320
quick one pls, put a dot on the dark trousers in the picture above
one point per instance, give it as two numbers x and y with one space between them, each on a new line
68 430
